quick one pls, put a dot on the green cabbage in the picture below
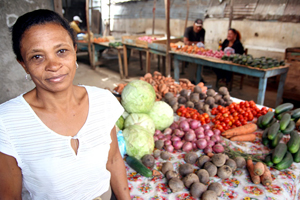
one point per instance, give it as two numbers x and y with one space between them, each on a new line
140 119
120 123
139 141
138 97
162 115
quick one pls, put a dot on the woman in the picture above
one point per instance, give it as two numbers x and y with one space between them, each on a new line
232 42
58 140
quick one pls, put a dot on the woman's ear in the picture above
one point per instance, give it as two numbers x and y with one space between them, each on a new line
23 65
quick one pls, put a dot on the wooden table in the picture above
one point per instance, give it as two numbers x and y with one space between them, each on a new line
262 74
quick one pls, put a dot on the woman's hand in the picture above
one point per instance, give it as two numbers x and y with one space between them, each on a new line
116 166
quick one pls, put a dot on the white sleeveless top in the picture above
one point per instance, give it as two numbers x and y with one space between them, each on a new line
50 167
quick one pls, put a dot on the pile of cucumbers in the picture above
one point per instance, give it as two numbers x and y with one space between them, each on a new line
276 125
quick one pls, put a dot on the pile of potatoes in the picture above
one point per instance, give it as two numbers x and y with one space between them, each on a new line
197 182
199 100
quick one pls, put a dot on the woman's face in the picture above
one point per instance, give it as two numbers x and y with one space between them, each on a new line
231 36
49 56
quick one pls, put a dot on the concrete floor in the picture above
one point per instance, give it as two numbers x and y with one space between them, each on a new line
107 75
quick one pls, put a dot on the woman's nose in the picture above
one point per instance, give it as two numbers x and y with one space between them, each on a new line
53 65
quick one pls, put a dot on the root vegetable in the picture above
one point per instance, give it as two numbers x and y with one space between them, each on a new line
203 176
175 138
184 126
266 178
191 157
217 132
217 187
207 150
157 132
167 142
184 93
244 138
159 144
223 90
194 124
224 172
255 179
189 179
190 104
189 135
210 168
168 137
186 169
209 195
202 160
210 143
169 148
165 155
167 166
259 169
181 100
175 126
176 184
187 146
206 127
218 148
240 162
211 92
200 136
168 131
177 145
218 159
231 163
156 153
209 133
201 143
197 89
197 189
173 101
148 160
241 130
202 95
171 174
169 95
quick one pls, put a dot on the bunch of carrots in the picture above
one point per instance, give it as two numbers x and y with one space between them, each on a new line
243 133
99 39
259 173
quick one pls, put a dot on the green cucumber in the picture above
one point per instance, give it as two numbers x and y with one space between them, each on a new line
267 118
271 123
259 122
276 140
293 144
296 113
273 130
286 162
265 140
297 156
279 152
285 120
138 166
289 128
280 115
268 160
283 108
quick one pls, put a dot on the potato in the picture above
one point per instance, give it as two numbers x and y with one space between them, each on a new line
191 157
210 168
221 102
156 153
226 98
202 95
197 89
189 179
171 174
217 97
173 101
223 90
224 172
217 187
186 169
197 189
231 163
240 162
148 160
211 92
168 96
190 104
203 176
159 144
165 155
218 159
167 166
194 97
202 160
210 100
199 105
184 93
181 100
175 107
206 108
209 195
175 184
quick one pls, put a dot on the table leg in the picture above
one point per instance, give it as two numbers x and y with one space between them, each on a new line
261 90
128 55
125 55
158 62
199 71
141 60
148 62
163 70
280 88
176 69
120 63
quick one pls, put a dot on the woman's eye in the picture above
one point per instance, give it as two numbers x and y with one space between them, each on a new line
36 57
62 51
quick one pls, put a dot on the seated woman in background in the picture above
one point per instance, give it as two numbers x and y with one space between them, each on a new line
233 45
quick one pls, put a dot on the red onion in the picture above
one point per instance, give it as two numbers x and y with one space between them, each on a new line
189 135
207 138
217 132
167 142
169 148
187 146
206 127
189 120
175 138
194 146
195 139
201 143
160 136
177 144
207 150
157 132
163 139
222 142
168 137
210 143
174 125
184 126
194 124
168 131
218 148
178 133
155 138
181 119
199 130
200 136
209 133
215 138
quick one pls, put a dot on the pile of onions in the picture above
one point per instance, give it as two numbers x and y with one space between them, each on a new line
188 134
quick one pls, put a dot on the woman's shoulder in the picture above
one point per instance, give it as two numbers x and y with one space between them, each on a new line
12 104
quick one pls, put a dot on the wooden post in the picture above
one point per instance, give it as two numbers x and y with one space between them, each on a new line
231 13
187 14
90 49
153 22
58 7
168 61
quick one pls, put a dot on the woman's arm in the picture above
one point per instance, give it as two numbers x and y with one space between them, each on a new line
116 166
10 178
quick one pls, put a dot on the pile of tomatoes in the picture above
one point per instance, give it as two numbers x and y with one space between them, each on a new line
193 114
236 114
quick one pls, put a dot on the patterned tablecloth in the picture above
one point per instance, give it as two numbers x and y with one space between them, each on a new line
285 186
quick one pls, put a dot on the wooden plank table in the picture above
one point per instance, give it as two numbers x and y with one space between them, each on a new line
262 74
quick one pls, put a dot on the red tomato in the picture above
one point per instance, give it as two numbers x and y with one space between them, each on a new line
241 117
226 120
213 112
231 106
187 115
230 117
232 110
244 122
207 120
230 123
270 110
179 113
217 122
250 118
205 115
225 115
235 114
237 123
194 116
221 118
246 114
220 107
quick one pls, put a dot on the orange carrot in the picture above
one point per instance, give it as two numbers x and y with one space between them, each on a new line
259 169
155 173
241 130
255 179
266 178
244 138
201 84
210 154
